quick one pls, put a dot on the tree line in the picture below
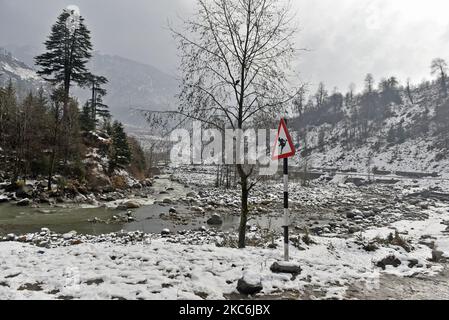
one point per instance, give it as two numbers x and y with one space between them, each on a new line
365 113
47 132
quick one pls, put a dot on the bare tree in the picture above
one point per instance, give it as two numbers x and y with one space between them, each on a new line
321 95
300 102
439 67
234 56
369 83
408 89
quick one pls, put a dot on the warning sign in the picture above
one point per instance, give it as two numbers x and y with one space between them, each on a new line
283 147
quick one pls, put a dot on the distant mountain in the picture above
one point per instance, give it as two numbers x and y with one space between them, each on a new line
23 76
131 84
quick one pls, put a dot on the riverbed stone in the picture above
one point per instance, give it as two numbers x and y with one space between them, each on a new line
172 210
284 267
128 205
24 202
215 220
4 199
389 261
249 287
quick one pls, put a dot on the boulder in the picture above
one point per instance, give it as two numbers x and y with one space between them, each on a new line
215 220
11 237
437 256
172 210
128 205
389 261
24 202
197 209
4 199
165 232
284 267
249 287
69 235
350 215
413 263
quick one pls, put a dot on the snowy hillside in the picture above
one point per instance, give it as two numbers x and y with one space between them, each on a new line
131 84
21 74
408 139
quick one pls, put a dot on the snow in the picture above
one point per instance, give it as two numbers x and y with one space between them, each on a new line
160 269
23 73
74 8
73 21
179 267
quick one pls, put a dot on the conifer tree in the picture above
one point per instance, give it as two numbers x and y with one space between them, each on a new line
120 153
68 49
87 123
98 108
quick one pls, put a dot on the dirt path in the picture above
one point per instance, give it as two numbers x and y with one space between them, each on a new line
398 288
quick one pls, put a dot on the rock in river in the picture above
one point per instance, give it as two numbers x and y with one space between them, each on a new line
24 202
215 220
128 205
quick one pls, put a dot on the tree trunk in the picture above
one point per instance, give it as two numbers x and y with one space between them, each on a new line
50 170
244 207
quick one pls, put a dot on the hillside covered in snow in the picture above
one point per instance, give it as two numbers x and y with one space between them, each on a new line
390 129
23 76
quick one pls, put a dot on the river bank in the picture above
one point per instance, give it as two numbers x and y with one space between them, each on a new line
347 240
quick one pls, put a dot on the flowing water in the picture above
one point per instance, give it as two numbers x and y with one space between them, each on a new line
68 217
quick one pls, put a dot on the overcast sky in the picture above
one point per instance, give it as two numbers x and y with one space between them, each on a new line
345 38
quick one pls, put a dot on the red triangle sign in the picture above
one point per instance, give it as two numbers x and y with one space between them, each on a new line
283 146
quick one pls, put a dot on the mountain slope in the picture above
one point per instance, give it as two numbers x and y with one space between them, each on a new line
22 75
131 84
411 137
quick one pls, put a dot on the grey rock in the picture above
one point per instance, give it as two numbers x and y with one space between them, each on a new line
24 202
389 261
215 220
248 289
437 256
280 268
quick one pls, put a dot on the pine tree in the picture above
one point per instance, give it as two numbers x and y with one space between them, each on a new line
68 49
8 111
98 108
87 123
120 153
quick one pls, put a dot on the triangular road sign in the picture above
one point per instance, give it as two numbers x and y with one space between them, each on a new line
283 146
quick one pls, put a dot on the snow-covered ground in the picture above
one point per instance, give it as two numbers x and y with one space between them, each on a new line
205 265
159 268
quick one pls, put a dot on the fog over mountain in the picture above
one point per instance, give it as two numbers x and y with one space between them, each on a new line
345 39
132 85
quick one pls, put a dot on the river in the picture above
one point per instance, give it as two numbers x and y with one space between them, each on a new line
67 217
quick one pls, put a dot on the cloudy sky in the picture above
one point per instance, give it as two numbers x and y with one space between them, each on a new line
345 39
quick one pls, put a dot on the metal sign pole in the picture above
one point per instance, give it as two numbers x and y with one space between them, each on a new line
283 141
286 219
